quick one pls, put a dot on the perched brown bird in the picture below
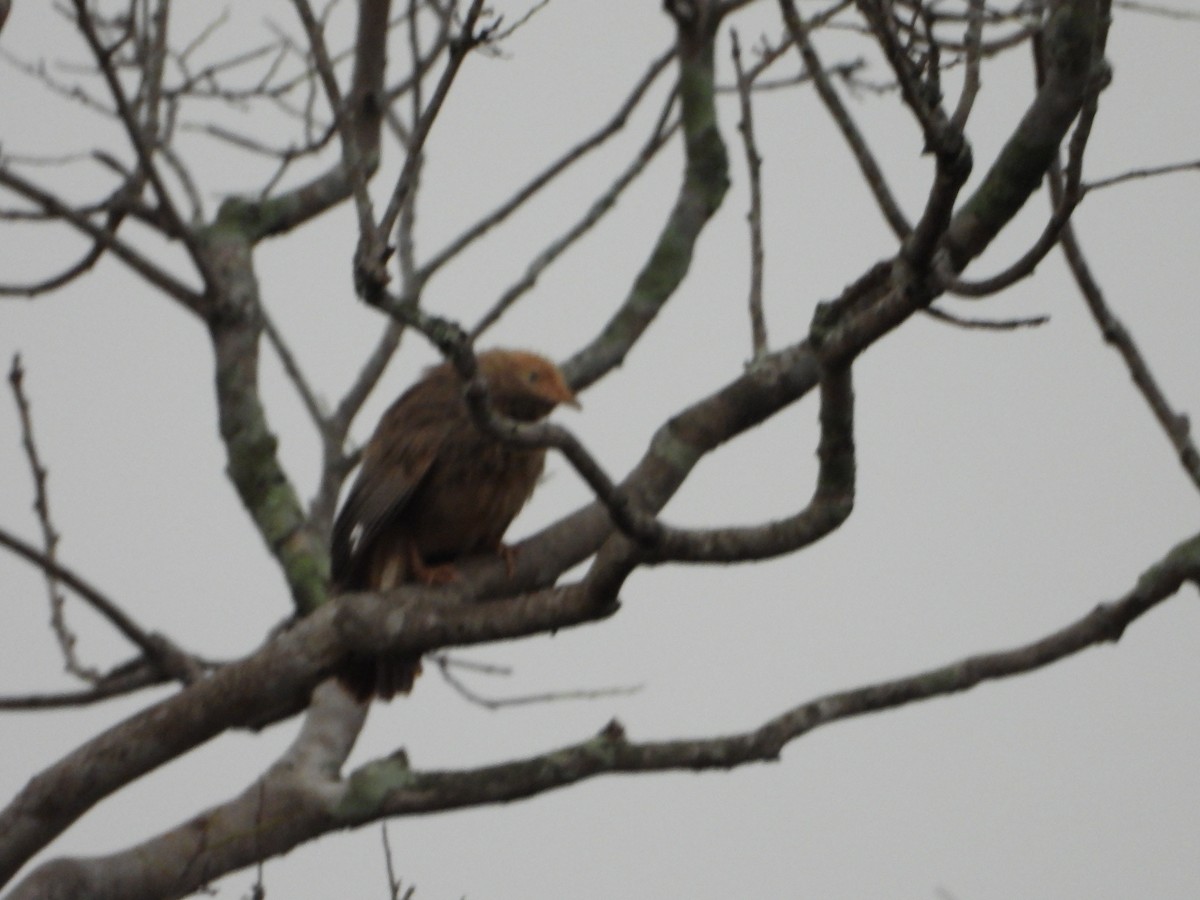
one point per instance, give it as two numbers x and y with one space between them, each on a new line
434 488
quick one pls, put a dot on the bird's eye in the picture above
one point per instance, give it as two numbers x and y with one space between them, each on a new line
532 376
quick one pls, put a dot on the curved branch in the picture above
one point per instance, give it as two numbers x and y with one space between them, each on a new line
705 182
252 459
830 506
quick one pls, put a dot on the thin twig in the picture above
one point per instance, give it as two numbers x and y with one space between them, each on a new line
571 156
1157 9
985 324
75 270
394 885
165 655
351 152
292 368
758 326
107 688
870 169
143 144
1148 172
406 226
1175 425
41 505
595 213
467 40
132 257
970 89
494 703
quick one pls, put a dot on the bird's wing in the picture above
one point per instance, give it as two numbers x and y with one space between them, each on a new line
395 464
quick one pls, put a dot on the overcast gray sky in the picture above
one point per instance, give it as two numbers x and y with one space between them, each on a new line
1008 483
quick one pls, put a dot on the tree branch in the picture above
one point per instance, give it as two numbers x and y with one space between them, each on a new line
745 85
872 173
704 185
296 802
157 649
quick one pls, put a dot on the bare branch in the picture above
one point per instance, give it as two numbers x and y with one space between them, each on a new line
1175 425
352 152
705 182
104 236
970 89
858 146
106 688
291 368
552 171
1158 9
599 208
277 681
370 256
358 118
390 787
985 324
394 886
1075 56
611 752
758 326
142 138
445 663
1136 174
117 206
171 661
41 506
1064 199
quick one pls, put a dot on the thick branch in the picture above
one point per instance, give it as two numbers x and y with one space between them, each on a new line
290 807
251 448
704 185
389 788
1074 60
277 681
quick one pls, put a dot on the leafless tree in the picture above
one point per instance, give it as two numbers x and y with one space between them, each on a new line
331 125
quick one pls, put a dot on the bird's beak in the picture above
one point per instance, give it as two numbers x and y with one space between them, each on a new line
568 398
563 394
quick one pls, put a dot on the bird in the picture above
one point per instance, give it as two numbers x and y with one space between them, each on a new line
434 488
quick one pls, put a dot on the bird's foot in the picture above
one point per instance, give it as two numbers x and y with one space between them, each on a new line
437 575
509 554
441 574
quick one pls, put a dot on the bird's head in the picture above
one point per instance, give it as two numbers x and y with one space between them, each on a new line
523 385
